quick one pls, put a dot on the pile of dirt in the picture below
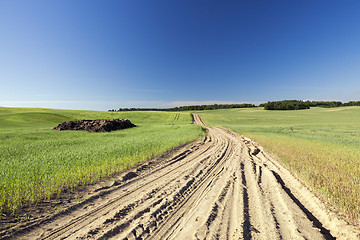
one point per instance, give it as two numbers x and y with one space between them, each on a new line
100 125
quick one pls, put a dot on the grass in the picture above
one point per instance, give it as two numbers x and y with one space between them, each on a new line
321 146
38 163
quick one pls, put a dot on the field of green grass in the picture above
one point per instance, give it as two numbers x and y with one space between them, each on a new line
37 163
320 145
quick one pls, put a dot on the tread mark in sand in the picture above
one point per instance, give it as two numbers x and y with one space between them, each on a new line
246 223
308 214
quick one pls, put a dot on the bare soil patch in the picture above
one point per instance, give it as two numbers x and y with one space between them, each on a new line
100 125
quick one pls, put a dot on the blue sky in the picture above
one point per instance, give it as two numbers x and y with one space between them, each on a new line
109 54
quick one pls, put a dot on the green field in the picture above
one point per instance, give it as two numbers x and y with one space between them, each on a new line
38 163
320 145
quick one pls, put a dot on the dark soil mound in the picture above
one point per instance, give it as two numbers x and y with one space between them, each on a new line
101 125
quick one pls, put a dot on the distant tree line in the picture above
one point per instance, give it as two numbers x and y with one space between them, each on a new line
189 108
325 104
299 104
276 105
135 109
352 103
212 107
285 105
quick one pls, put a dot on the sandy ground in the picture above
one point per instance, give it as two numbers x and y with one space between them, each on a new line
225 187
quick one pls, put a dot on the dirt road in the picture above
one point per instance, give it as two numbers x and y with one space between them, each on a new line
225 187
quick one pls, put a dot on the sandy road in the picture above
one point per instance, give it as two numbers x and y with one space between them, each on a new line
225 187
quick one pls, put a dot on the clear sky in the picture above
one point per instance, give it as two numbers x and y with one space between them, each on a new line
135 53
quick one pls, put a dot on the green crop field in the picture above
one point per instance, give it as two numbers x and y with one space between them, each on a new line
38 163
320 145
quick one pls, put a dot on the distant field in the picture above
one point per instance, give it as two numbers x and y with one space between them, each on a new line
320 145
37 162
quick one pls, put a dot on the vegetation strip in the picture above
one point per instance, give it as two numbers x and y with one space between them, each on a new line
275 105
